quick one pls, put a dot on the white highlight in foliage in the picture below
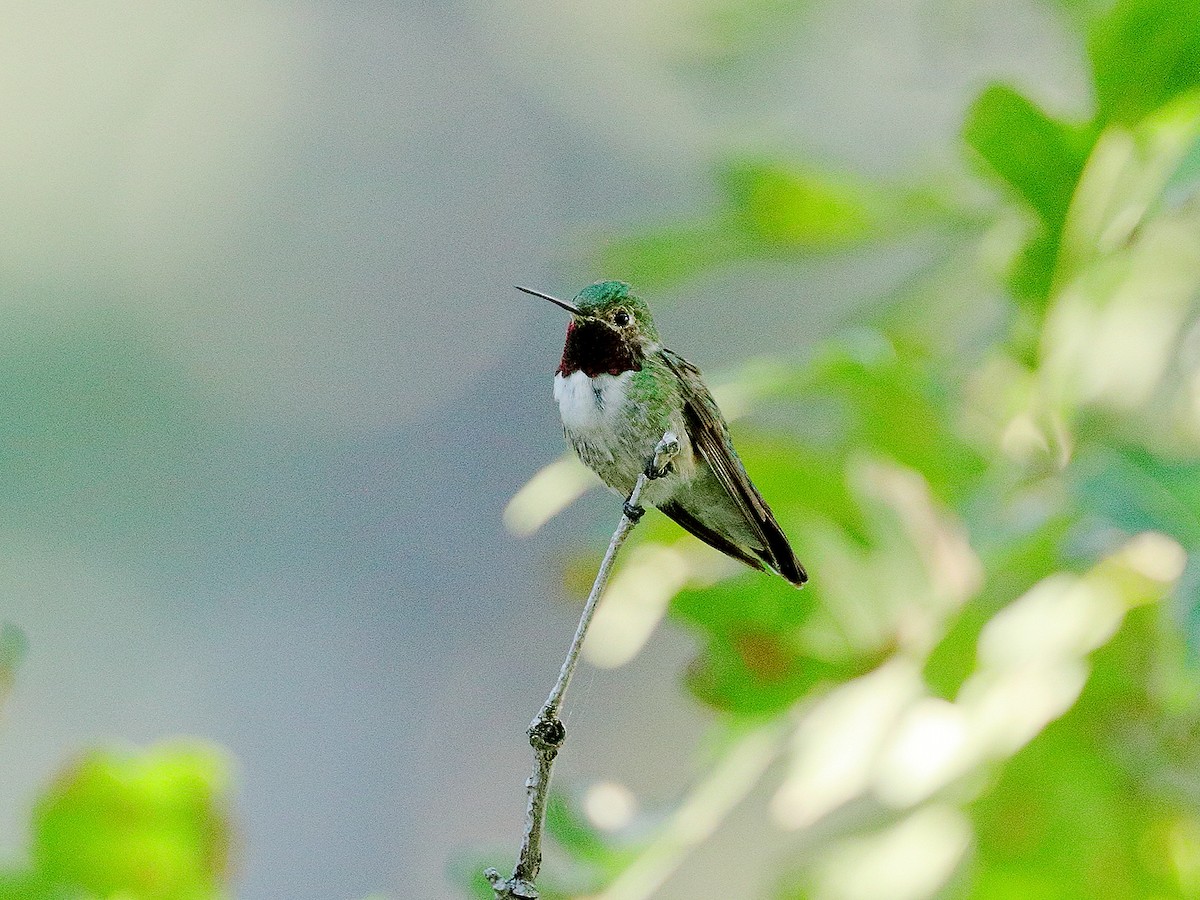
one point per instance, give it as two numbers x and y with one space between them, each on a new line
909 861
634 604
609 806
929 748
1060 617
1156 556
546 494
836 746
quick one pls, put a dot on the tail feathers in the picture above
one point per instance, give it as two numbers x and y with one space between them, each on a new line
778 557
713 538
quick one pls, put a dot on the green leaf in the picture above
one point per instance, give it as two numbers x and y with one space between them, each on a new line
572 832
1081 11
1014 564
732 34
771 209
1144 53
1040 158
1087 808
145 827
896 405
747 667
1031 275
25 887
782 206
1185 182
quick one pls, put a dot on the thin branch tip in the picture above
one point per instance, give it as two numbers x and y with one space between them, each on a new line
546 732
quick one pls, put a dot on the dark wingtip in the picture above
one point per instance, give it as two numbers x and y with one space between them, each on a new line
783 557
795 573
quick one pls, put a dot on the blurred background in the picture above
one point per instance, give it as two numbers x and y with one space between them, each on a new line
291 552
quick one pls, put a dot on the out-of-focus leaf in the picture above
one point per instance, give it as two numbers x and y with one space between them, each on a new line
1136 490
767 644
1013 567
572 832
147 827
895 407
1129 272
734 33
23 886
1082 11
1040 158
1144 53
1123 182
770 209
783 206
673 253
1076 813
1032 272
551 490
800 483
751 664
912 858
1185 181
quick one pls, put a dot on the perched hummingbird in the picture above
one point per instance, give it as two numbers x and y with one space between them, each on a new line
619 389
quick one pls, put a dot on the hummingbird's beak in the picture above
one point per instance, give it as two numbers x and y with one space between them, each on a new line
573 310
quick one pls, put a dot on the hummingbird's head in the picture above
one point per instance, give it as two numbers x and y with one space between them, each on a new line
610 331
613 303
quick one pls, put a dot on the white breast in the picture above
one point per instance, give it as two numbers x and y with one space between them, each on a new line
589 404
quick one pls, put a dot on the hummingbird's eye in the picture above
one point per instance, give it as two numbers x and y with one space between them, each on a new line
621 318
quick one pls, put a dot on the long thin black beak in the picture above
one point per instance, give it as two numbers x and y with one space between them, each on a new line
574 310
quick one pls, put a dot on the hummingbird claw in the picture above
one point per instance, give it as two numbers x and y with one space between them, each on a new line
634 512
667 450
653 471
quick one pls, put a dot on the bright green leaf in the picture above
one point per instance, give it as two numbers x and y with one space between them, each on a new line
751 664
787 207
1144 54
147 827
1040 158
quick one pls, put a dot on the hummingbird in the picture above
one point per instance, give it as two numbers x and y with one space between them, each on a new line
619 390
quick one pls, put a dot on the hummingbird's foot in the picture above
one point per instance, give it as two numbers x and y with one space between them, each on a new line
633 511
653 471
664 453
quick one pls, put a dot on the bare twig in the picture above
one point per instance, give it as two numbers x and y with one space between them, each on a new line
546 732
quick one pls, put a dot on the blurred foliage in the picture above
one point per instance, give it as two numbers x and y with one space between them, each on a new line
724 32
772 210
149 826
990 686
